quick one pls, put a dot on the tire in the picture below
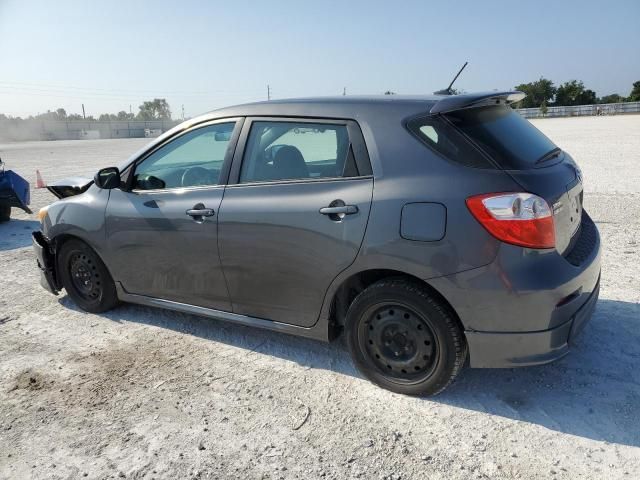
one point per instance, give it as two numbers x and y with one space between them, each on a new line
5 213
404 339
85 278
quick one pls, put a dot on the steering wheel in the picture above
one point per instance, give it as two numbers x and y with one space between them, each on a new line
194 176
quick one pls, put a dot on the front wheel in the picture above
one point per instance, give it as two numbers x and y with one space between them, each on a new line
404 339
85 277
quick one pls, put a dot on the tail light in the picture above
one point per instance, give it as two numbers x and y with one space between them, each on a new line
518 218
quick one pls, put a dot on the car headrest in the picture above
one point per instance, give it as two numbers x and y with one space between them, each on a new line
289 163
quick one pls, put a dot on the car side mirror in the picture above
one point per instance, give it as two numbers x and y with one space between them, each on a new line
107 178
222 136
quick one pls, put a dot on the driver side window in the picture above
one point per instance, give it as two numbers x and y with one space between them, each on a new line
193 159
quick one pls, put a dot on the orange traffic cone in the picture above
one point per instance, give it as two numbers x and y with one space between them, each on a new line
39 181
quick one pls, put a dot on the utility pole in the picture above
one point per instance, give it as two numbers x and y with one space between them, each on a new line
268 92
344 91
129 109
83 115
183 112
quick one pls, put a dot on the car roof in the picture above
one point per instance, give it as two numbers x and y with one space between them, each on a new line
356 106
352 106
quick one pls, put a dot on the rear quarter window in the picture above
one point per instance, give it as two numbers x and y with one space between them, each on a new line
442 137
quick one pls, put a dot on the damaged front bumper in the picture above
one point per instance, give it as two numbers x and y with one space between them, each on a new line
46 263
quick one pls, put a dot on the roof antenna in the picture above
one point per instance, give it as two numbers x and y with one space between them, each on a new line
449 90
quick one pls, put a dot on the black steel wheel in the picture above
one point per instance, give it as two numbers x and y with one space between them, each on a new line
399 342
85 278
404 339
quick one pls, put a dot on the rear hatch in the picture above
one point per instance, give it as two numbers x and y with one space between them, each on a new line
531 159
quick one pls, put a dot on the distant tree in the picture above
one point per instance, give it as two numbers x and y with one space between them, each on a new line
74 116
634 96
158 109
122 115
61 113
537 92
105 117
49 115
574 93
613 98
543 108
389 92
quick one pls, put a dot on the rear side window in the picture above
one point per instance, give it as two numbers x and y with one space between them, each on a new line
512 141
439 135
297 151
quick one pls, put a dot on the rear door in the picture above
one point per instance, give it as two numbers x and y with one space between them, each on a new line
293 215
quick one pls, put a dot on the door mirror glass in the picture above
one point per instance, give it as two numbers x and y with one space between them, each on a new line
223 136
107 178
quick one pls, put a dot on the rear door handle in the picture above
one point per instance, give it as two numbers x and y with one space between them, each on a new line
343 209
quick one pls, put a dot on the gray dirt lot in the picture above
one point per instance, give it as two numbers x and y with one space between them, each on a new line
145 393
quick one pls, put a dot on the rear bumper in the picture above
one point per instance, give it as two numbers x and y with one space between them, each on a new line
526 306
502 350
46 263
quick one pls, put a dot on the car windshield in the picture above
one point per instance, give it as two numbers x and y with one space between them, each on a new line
505 136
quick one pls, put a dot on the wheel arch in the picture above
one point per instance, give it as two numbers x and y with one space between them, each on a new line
62 238
350 287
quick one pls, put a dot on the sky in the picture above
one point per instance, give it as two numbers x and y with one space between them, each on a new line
203 55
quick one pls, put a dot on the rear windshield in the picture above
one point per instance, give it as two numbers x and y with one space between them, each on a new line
504 135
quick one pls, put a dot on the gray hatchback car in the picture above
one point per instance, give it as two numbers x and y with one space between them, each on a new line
429 230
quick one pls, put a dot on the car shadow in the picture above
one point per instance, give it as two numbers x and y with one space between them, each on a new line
594 392
16 233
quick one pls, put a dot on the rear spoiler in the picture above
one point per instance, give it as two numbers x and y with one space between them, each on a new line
469 100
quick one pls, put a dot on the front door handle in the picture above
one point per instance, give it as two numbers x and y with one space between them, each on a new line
202 212
341 210
199 211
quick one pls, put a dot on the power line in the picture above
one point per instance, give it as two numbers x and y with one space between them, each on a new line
52 87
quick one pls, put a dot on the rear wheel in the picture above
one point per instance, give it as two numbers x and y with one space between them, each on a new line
85 277
5 213
404 339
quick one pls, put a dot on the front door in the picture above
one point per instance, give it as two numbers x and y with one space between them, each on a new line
293 215
162 231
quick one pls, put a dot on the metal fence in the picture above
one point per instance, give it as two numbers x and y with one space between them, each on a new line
581 110
32 129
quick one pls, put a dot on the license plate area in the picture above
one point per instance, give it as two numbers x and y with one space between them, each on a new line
575 207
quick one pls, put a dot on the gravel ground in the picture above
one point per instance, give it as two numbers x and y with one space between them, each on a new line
146 393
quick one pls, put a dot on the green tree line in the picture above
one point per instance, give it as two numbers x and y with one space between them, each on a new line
543 93
156 109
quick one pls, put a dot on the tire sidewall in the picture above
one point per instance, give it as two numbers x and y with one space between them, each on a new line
398 293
